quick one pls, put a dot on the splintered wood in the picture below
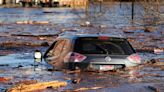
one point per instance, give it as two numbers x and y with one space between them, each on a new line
37 86
84 89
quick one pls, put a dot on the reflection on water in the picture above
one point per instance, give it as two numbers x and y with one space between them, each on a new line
12 58
111 14
21 66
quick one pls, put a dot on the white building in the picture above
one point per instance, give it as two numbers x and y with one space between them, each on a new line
1 1
73 2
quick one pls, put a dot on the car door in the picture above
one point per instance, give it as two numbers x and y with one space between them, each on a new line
54 55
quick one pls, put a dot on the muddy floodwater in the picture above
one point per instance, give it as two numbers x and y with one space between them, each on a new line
23 30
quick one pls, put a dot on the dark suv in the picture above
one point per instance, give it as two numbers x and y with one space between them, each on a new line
91 52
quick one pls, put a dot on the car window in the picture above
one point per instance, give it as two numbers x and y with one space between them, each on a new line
66 47
58 48
109 46
55 49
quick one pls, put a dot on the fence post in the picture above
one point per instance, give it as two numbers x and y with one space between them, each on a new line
132 10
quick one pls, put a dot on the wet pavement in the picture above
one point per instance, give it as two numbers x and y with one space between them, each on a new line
23 30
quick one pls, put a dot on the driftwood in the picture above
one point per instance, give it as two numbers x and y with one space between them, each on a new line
32 22
37 86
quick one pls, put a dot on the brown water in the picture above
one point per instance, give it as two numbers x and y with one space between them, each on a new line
18 42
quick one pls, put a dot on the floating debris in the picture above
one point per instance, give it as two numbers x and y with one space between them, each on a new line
149 29
158 50
153 89
32 22
4 79
36 86
27 82
84 89
76 81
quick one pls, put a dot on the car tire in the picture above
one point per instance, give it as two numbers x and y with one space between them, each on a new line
71 66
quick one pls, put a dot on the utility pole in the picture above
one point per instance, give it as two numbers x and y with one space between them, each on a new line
132 10
87 7
100 1
120 3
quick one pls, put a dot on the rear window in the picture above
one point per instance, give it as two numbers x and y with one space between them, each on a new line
103 45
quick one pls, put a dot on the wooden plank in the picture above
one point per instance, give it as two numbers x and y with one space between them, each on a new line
37 86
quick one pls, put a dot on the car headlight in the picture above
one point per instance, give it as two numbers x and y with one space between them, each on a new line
37 56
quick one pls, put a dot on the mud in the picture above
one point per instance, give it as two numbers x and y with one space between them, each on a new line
21 34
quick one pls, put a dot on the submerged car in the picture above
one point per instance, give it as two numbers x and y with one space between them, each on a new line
91 52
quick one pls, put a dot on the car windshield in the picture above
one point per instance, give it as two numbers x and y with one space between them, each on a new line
103 45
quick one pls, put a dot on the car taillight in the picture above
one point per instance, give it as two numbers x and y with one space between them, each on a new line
74 57
134 58
103 38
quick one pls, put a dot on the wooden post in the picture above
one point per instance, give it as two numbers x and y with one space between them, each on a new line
87 7
120 3
132 13
100 5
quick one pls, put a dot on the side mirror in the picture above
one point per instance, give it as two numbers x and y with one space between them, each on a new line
37 56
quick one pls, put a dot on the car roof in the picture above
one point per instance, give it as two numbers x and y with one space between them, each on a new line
76 35
89 32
